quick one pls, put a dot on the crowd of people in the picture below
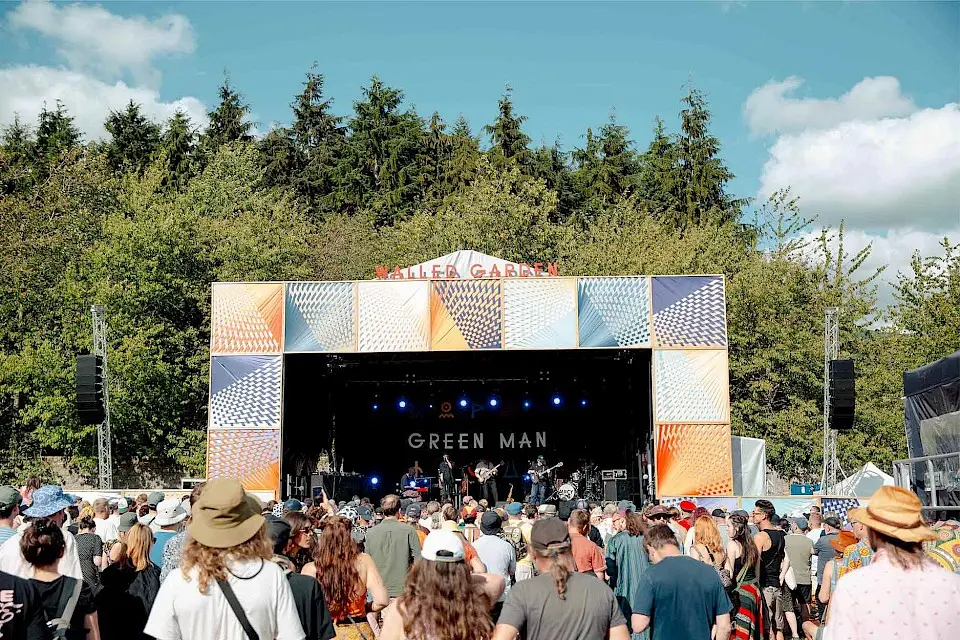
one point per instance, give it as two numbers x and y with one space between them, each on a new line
219 563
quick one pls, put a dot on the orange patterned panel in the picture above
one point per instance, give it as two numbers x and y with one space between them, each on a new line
247 318
252 456
694 460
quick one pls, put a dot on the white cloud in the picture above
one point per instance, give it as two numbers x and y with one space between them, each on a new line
772 109
91 38
877 175
24 89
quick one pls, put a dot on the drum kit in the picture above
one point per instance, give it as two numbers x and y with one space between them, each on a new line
582 483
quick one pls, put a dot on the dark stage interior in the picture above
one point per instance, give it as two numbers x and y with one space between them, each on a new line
382 412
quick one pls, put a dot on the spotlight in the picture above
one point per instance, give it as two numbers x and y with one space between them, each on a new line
494 402
375 406
556 401
413 484
374 480
583 403
526 404
402 404
463 402
526 477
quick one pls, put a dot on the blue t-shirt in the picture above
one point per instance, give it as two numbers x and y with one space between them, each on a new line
683 598
160 540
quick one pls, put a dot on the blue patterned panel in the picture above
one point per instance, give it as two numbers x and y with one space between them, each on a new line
320 316
689 311
840 506
614 312
245 392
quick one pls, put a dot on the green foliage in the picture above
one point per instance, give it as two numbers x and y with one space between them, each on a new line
56 132
133 139
229 120
178 151
510 143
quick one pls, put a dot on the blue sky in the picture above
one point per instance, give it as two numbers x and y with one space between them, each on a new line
569 64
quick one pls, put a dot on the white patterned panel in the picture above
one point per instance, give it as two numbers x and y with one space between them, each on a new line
539 314
691 386
394 316
251 401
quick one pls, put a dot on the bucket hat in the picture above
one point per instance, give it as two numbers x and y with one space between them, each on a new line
155 498
48 500
223 517
895 512
126 521
169 512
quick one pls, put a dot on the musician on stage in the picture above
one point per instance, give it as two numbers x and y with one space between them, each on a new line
486 475
539 477
447 488
413 474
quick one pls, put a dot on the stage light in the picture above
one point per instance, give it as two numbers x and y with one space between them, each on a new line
526 404
526 477
494 402
375 406
413 484
463 402
583 403
402 404
374 480
556 401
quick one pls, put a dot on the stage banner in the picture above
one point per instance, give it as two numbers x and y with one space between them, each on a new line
466 314
693 459
749 466
691 386
320 317
251 456
245 392
540 314
394 315
246 318
689 311
614 312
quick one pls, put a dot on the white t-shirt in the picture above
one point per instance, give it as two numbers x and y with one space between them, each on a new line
181 611
814 535
499 557
105 529
11 560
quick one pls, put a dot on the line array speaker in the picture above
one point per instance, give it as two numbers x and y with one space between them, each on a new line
90 389
843 394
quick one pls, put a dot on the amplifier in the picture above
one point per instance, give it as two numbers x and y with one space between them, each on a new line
613 474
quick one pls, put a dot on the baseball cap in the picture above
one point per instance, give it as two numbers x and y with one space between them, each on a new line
741 512
413 510
365 512
550 534
514 508
490 523
658 510
442 546
122 506
717 513
292 505
155 498
547 510
833 521
9 496
802 523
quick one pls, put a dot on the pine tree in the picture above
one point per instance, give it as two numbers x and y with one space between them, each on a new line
318 138
177 150
461 166
17 155
506 134
134 139
659 173
551 165
435 155
228 122
702 176
279 158
56 132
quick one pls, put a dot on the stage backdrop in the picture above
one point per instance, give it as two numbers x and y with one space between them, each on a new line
682 318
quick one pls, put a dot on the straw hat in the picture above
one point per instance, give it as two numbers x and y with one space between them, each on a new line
895 512
843 540
223 517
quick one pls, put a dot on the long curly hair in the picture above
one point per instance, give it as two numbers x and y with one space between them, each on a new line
740 532
439 601
706 533
336 560
211 563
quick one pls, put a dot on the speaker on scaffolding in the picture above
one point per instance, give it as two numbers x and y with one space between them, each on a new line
90 389
843 394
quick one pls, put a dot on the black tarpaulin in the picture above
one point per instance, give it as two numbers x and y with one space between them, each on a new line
929 391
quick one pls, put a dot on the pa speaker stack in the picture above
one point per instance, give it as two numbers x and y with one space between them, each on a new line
90 389
843 394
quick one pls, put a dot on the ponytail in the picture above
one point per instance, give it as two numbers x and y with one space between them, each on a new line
560 573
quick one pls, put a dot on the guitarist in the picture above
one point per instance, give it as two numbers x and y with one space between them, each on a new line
538 479
486 474
446 480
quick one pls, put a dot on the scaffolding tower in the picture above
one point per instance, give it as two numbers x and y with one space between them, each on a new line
831 351
104 451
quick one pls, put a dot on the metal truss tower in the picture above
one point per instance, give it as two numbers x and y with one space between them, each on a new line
104 449
831 351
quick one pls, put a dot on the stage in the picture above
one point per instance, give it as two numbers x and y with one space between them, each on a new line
624 372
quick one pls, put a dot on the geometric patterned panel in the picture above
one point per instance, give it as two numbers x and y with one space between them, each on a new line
245 392
614 312
540 314
839 506
394 316
319 316
246 318
466 314
691 386
694 460
689 311
252 457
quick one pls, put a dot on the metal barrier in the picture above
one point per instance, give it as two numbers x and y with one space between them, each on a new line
935 479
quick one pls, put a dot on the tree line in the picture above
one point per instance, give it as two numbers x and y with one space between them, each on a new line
142 221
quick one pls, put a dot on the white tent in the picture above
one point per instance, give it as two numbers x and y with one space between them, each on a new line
864 483
468 264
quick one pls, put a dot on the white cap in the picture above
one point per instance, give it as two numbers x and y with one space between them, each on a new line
442 546
170 512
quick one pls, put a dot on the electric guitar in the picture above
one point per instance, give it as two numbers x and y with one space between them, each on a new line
485 474
510 495
535 476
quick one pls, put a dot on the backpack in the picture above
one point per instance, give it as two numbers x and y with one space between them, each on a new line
69 596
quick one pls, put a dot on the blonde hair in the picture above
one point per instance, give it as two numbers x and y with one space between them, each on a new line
136 550
211 562
707 534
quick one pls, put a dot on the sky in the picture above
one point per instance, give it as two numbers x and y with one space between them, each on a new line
853 105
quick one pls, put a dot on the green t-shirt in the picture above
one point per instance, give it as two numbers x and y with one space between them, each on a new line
682 597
